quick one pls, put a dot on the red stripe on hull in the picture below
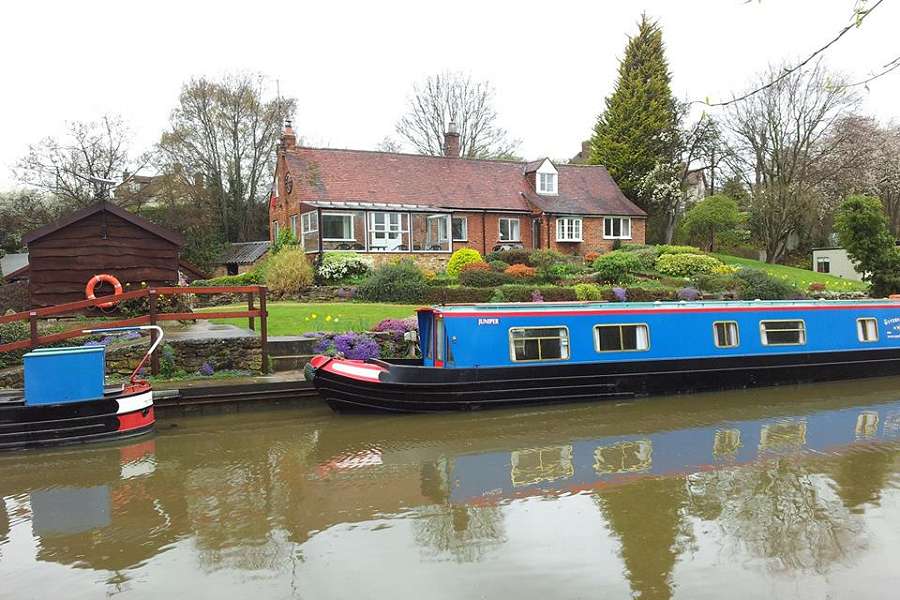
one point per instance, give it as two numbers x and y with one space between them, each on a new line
136 419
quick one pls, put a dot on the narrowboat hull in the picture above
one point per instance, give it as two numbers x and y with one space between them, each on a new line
355 386
123 412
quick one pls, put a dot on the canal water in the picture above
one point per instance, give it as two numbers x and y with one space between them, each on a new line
779 493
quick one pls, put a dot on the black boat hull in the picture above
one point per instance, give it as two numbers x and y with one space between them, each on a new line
119 414
402 388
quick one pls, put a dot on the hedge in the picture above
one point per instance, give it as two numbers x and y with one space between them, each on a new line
462 294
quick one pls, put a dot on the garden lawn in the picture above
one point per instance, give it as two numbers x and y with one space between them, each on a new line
799 277
294 318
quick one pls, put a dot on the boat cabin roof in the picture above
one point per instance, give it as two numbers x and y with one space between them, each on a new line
576 307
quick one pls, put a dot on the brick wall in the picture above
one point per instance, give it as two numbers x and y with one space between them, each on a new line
592 236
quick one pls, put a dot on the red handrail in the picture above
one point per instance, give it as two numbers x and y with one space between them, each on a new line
149 319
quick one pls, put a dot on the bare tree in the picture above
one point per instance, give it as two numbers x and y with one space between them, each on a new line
778 138
388 144
64 168
225 133
446 97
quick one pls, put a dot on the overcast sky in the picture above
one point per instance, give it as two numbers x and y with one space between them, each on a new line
351 64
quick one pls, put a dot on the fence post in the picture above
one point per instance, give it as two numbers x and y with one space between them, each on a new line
251 321
154 358
263 329
32 320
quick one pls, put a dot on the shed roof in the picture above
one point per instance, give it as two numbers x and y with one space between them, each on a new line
78 215
243 253
11 263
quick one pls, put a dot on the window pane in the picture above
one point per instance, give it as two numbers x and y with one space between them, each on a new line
783 332
543 343
514 229
867 330
726 334
460 228
610 338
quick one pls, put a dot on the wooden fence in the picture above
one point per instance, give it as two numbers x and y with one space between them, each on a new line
152 317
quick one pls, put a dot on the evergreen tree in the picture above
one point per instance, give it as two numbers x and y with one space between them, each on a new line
639 128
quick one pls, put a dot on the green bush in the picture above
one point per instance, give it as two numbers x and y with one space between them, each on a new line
461 258
518 256
635 247
647 256
715 282
450 295
686 265
675 249
339 266
499 265
550 293
13 332
617 266
253 277
759 285
395 282
544 260
288 271
481 278
588 291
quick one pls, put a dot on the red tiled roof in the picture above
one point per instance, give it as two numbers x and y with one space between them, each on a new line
365 176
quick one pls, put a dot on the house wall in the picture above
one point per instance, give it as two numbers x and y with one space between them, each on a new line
840 263
62 262
592 236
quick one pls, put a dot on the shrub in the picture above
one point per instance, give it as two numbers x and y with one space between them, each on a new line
634 247
686 265
591 257
588 291
543 260
674 249
449 295
401 325
288 271
285 239
499 265
461 258
401 281
498 296
483 278
647 256
537 296
337 266
14 297
816 286
689 294
617 266
715 282
13 332
512 257
620 294
356 346
755 284
643 294
520 271
475 266
550 293
253 277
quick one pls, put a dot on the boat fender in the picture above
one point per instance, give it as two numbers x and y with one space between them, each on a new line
96 279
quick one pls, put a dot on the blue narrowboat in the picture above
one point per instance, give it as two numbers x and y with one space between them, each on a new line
485 355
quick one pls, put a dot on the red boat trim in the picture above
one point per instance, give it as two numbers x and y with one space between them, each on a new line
354 369
660 310
136 420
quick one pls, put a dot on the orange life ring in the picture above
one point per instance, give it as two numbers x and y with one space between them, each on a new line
92 283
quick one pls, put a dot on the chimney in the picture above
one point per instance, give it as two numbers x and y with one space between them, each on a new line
451 141
585 150
288 139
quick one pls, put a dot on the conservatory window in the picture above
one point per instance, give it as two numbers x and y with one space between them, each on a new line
388 232
617 228
309 222
783 333
539 343
726 334
337 227
568 229
509 230
867 330
460 229
622 338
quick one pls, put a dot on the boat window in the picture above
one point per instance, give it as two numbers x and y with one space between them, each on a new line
782 333
439 343
726 334
621 338
539 343
867 330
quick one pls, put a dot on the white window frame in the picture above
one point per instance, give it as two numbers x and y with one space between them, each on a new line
764 334
823 260
509 220
565 343
737 334
621 337
547 183
443 236
465 227
622 235
569 229
862 332
343 215
308 224
294 231
391 231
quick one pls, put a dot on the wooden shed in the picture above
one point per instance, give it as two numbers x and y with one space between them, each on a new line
102 238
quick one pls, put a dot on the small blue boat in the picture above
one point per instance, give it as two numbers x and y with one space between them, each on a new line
485 355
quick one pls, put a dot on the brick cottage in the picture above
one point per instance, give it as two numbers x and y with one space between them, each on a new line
385 203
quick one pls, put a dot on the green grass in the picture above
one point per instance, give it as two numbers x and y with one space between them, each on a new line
294 318
799 277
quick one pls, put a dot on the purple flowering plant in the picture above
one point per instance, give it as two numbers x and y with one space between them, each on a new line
536 296
355 346
689 294
620 294
206 369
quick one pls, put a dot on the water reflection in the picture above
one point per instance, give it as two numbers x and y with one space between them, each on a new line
652 498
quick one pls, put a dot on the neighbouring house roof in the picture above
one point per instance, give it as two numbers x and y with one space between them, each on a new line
332 175
132 218
10 263
243 253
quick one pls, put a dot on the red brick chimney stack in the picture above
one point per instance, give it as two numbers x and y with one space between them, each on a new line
451 141
288 139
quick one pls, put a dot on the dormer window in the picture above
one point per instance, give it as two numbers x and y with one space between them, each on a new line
546 183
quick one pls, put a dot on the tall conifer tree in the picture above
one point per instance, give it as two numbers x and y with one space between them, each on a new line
639 128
